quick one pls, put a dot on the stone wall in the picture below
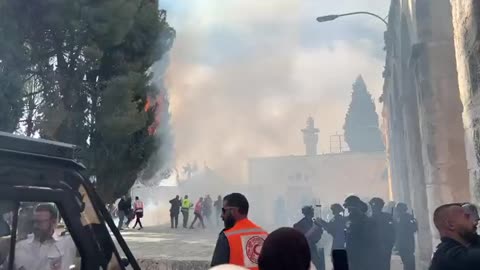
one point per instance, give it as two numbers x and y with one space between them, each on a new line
401 109
425 129
466 26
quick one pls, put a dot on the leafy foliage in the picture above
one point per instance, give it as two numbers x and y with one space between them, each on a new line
89 61
361 122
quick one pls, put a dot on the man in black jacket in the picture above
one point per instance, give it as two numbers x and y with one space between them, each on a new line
176 204
361 242
385 233
406 227
336 227
457 231
313 232
129 214
122 212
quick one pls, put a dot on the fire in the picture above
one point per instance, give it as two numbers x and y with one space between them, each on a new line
157 109
147 104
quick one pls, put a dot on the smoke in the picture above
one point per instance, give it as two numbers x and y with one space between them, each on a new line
244 75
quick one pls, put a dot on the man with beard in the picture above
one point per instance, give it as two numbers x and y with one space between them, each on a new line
385 232
241 241
44 250
361 242
313 233
457 231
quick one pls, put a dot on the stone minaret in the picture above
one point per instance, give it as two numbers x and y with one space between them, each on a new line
310 137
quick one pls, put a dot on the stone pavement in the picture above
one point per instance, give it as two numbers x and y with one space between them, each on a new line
163 248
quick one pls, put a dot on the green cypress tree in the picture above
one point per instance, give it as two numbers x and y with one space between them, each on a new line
361 122
91 60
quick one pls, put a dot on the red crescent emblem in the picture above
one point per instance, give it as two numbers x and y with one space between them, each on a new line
253 248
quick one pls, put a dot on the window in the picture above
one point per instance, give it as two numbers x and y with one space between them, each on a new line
42 240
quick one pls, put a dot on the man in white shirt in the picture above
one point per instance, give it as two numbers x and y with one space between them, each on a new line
43 250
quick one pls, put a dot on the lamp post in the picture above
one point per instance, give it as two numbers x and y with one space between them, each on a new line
332 17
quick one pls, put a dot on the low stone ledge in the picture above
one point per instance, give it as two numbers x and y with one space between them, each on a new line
168 264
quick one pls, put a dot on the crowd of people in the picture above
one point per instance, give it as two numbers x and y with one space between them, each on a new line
364 233
202 211
363 239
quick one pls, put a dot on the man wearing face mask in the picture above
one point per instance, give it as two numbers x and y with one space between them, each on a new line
241 241
457 231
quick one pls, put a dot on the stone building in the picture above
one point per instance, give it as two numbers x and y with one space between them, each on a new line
316 178
466 22
422 113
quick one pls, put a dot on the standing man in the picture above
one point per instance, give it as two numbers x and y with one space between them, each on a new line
186 205
241 241
406 227
207 209
175 211
218 209
336 227
138 209
129 214
313 233
385 231
457 231
361 244
198 213
122 209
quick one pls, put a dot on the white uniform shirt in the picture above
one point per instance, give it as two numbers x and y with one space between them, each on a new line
53 254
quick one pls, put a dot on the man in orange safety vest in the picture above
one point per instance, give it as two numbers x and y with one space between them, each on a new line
241 241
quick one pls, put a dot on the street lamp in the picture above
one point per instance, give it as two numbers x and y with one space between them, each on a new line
335 16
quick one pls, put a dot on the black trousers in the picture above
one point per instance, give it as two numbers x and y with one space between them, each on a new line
174 220
139 216
121 218
197 217
383 259
408 259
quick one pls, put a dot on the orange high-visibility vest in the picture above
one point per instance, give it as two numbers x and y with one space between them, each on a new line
245 240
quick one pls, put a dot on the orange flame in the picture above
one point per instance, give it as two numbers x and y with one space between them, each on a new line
147 104
157 109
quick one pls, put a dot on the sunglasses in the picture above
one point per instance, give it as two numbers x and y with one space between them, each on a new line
225 209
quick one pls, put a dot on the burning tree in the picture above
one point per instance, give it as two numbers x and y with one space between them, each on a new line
361 122
91 62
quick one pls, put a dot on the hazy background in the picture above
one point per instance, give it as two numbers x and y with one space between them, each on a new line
245 74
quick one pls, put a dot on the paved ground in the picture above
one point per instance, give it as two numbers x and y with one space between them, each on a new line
162 242
161 247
